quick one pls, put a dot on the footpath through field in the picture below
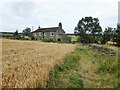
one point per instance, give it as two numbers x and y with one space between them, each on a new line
91 70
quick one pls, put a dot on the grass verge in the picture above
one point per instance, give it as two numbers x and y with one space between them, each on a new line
99 71
86 68
67 74
108 70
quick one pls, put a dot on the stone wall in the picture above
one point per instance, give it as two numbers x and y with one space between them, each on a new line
103 50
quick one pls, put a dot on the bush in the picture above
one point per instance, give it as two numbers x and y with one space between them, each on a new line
48 40
75 39
7 35
66 39
21 38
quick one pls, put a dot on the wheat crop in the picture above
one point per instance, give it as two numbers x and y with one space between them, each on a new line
27 64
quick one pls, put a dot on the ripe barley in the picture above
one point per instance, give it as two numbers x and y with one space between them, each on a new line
28 63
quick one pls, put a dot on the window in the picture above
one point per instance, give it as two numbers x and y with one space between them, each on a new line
39 33
44 34
51 33
35 34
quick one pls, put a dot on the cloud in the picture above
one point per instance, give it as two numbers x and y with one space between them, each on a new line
19 14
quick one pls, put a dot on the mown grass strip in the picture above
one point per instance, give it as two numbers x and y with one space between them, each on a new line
67 74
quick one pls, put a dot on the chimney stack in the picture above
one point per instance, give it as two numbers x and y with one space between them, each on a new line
60 24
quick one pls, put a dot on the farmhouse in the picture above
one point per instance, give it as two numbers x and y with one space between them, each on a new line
51 32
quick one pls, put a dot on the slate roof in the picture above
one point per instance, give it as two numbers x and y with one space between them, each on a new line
50 29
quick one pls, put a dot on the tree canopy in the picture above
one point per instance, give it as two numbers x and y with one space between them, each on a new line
108 35
26 31
88 28
117 35
15 34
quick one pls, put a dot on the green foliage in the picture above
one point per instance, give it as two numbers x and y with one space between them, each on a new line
88 28
107 35
76 82
108 70
7 35
104 66
66 75
26 31
75 39
70 62
20 38
109 66
16 34
117 35
48 40
66 39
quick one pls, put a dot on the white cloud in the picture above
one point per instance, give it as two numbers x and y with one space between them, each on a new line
18 14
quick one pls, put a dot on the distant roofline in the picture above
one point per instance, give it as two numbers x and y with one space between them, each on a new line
46 29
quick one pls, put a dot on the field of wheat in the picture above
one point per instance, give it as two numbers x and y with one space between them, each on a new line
28 63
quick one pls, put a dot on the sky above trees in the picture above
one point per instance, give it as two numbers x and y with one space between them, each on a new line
19 14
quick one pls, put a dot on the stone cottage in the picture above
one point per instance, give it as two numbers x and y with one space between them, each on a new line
51 32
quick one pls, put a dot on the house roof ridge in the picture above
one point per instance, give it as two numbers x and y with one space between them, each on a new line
48 28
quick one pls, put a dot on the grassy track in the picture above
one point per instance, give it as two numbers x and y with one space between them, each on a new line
67 75
85 68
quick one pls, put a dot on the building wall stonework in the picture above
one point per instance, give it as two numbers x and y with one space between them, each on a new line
52 32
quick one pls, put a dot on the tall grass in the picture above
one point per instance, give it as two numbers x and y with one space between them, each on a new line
108 69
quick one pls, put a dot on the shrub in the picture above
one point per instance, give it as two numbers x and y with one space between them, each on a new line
66 39
48 40
75 39
21 38
7 35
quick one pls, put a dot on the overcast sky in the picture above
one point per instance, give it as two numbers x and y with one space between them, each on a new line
19 14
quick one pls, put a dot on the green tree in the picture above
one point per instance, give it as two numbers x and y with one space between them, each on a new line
15 34
89 28
108 35
75 30
26 31
117 35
